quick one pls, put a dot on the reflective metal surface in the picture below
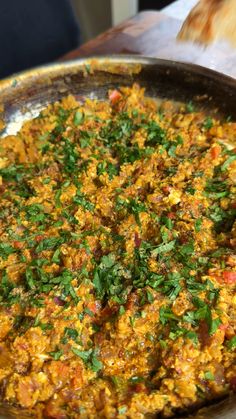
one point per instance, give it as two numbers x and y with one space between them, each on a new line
24 95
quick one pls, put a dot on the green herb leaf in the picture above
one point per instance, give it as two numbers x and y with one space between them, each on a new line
163 343
84 355
78 118
49 243
166 314
150 297
122 410
136 379
56 256
6 250
70 333
228 162
208 123
56 354
90 358
190 107
30 278
209 376
163 248
96 365
187 249
232 343
214 325
198 224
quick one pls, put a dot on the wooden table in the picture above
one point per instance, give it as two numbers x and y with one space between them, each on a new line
153 33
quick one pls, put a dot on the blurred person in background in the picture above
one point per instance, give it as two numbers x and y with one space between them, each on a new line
154 4
33 32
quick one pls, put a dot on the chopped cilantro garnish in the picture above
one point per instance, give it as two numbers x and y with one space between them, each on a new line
136 379
167 314
35 213
190 107
198 224
108 277
49 243
107 167
150 297
70 333
203 312
56 354
208 123
89 312
209 376
231 344
56 256
122 410
121 310
187 249
85 138
190 190
78 118
228 162
90 359
80 199
6 250
156 135
168 222
163 343
163 248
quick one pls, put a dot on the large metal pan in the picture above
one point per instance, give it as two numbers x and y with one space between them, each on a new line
25 94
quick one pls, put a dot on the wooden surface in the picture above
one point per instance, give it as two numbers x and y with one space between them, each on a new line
153 34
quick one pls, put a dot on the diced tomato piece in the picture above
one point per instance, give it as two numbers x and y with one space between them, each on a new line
223 326
18 244
171 215
39 238
114 96
94 306
229 277
140 388
166 189
215 151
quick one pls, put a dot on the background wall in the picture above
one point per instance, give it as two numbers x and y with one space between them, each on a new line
95 16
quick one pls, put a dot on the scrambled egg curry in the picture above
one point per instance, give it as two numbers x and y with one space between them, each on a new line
117 259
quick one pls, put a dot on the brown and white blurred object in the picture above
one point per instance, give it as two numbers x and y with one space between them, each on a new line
209 21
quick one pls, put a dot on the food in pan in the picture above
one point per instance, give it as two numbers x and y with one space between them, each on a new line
118 264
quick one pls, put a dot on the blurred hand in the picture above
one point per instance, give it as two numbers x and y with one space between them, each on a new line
210 20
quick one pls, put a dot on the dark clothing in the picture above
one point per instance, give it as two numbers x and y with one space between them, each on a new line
33 32
154 4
